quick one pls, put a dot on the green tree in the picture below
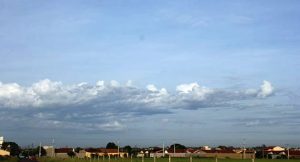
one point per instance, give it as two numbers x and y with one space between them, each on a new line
71 153
111 145
128 149
77 149
12 147
178 146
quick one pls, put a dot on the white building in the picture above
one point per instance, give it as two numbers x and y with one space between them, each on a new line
3 152
1 141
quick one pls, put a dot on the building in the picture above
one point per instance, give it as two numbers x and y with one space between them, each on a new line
49 151
275 152
63 152
3 152
294 154
1 141
94 152
224 154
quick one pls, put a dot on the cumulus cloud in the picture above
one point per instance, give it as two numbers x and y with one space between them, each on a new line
100 106
152 88
266 89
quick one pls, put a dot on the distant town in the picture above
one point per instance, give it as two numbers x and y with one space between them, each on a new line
112 150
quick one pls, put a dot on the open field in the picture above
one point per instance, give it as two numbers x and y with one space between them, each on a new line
165 160
44 159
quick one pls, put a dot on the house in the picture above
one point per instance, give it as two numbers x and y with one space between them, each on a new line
4 153
92 152
49 151
225 153
274 148
159 153
294 154
174 153
63 152
205 148
274 152
1 141
177 152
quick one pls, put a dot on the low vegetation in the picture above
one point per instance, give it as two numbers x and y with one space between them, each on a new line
44 159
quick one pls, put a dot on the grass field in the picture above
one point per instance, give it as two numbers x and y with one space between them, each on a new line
44 159
165 160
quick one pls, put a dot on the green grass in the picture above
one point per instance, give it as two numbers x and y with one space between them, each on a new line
8 159
163 160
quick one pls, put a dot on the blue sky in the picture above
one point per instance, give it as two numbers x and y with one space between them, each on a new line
147 72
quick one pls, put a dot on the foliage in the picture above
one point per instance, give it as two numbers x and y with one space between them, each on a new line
128 149
111 145
71 153
178 146
33 151
77 149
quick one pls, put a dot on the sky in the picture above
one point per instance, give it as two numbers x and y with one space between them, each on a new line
144 73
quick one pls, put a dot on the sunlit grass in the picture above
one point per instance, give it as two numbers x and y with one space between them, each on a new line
161 160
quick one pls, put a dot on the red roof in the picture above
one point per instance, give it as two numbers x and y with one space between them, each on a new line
190 150
93 150
63 150
171 150
103 150
110 150
294 152
218 151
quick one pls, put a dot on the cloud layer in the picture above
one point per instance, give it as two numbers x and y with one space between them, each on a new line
100 106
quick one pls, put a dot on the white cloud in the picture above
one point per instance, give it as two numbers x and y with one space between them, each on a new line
111 126
46 86
114 83
194 90
83 105
129 83
47 93
152 88
266 89
100 83
10 90
186 88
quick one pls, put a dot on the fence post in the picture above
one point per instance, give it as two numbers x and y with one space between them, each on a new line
191 158
143 157
169 158
154 158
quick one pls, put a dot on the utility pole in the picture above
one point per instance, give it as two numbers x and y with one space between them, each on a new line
118 149
244 149
174 149
263 151
53 149
163 149
288 152
40 150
